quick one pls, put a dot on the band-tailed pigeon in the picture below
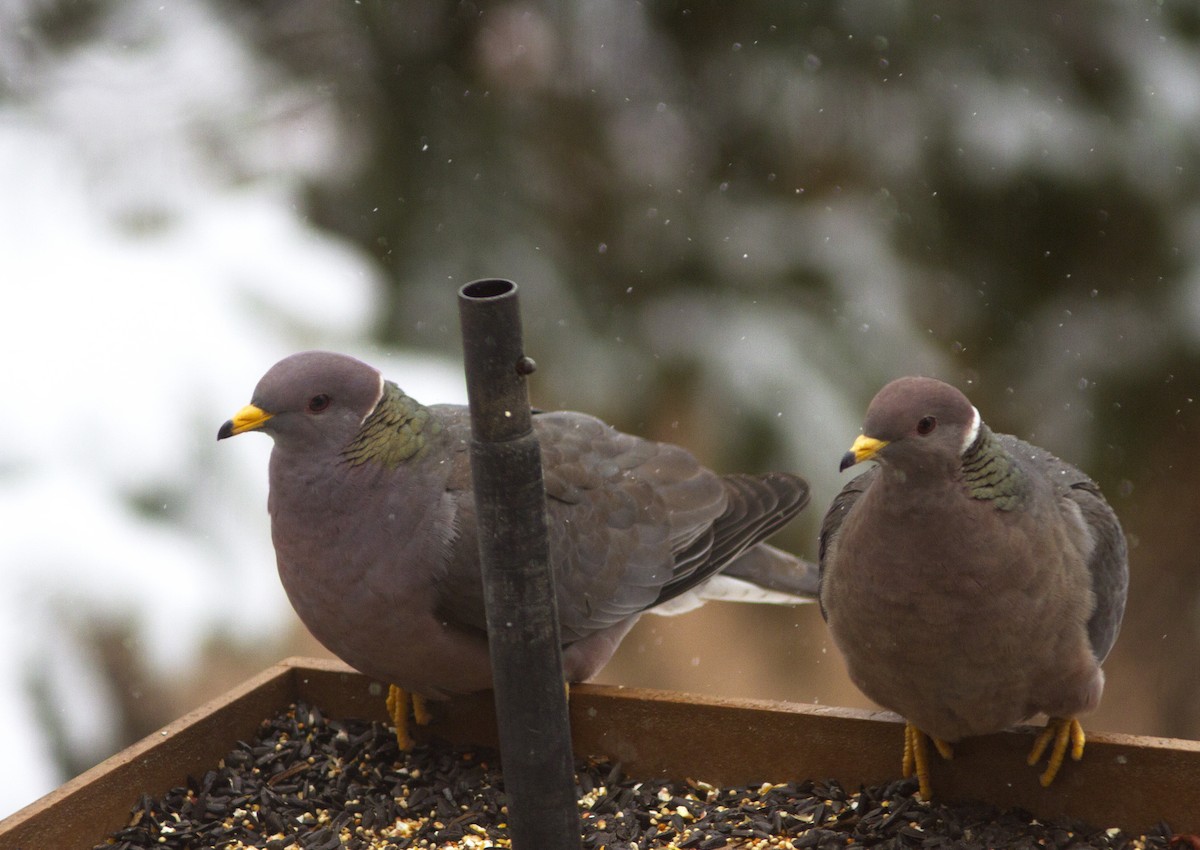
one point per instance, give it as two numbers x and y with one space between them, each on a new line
374 525
971 580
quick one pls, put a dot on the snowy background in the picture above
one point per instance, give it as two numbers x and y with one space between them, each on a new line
147 284
729 228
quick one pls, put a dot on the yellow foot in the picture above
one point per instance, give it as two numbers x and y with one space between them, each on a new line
1063 731
916 757
398 701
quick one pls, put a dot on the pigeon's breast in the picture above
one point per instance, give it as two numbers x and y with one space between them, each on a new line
355 548
940 614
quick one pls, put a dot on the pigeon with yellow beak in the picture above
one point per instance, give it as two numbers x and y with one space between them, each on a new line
374 524
970 580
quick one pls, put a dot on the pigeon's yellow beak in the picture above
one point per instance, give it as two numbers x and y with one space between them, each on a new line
249 418
864 448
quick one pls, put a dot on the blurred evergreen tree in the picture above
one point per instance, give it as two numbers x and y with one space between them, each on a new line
734 221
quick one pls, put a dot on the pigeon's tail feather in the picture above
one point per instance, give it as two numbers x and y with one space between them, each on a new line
723 588
763 575
775 570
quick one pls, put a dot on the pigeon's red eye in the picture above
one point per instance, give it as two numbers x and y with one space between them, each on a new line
926 425
318 403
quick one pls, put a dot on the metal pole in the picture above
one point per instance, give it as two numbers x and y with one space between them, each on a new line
522 617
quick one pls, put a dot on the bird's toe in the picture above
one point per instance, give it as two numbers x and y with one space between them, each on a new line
398 701
916 757
1060 734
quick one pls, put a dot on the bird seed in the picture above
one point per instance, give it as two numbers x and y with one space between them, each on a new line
311 783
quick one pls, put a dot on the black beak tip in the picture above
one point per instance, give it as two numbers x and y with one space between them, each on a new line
226 430
848 460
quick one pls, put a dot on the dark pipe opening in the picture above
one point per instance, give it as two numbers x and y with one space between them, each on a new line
490 288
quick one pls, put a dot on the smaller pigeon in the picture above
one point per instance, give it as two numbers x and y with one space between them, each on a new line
374 525
970 580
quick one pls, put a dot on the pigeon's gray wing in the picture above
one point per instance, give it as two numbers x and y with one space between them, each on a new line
632 523
618 507
635 523
757 506
627 516
1108 564
1108 559
456 576
831 525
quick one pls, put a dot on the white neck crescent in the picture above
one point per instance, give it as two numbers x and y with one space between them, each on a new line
973 431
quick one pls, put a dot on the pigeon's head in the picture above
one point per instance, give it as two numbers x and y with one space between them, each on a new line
916 423
310 399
